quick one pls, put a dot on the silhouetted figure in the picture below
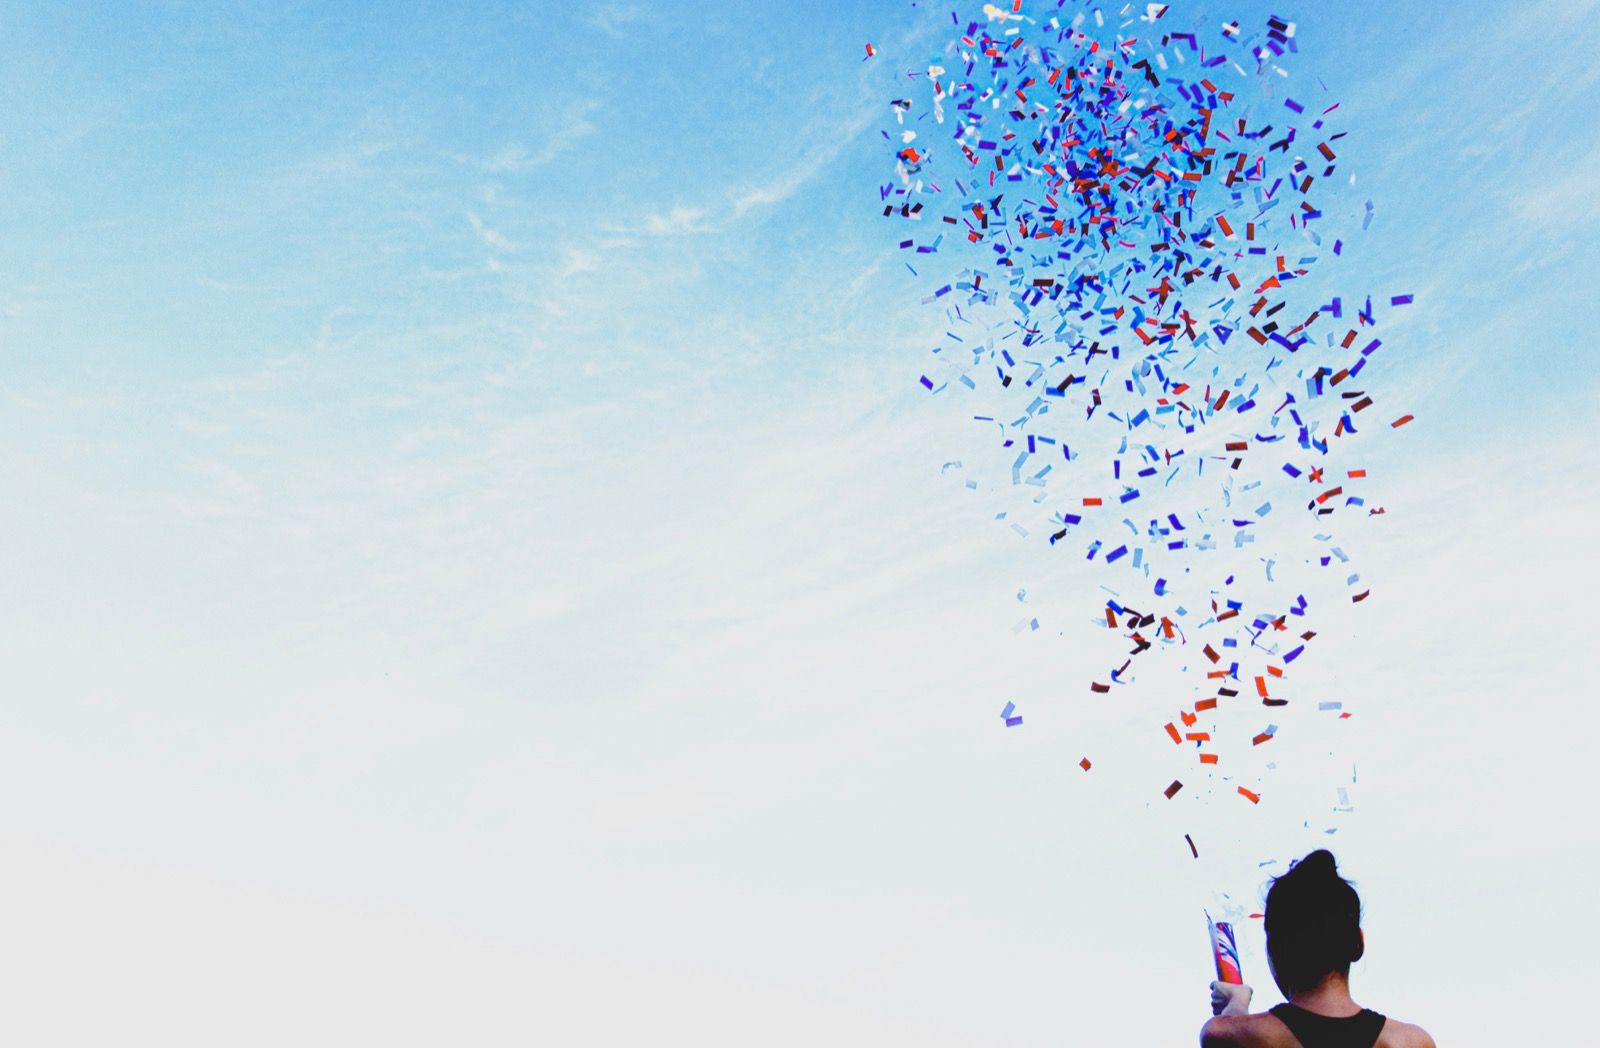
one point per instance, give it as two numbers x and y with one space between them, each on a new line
1313 935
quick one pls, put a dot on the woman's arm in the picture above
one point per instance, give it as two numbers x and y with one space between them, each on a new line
1230 1003
1223 1031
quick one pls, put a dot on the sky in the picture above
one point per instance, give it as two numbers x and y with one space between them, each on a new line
480 571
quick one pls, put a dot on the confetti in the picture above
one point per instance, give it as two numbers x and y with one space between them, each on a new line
1125 230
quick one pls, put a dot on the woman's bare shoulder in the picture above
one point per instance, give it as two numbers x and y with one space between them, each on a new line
1261 1030
1397 1034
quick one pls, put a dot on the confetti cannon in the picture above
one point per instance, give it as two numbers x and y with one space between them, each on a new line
1224 951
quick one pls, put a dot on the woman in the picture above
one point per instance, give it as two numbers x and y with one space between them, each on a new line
1313 935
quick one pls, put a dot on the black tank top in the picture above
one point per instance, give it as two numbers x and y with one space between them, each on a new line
1323 1031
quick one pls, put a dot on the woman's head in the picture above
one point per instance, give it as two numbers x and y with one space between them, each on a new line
1313 924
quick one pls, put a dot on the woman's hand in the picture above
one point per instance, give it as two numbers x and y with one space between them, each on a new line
1230 998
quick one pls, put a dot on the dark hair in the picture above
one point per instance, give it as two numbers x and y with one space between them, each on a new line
1313 923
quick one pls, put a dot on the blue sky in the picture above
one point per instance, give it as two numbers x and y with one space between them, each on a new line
480 568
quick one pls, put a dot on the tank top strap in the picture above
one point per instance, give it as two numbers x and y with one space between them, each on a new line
1325 1031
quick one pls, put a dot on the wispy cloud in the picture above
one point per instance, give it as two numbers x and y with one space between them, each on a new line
519 159
775 191
344 162
1567 199
329 170
579 260
491 237
273 374
682 219
612 19
678 220
587 257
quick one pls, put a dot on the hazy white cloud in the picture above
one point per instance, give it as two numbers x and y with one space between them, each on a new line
225 492
783 643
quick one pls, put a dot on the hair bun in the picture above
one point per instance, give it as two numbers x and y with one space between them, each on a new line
1318 864
1313 922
